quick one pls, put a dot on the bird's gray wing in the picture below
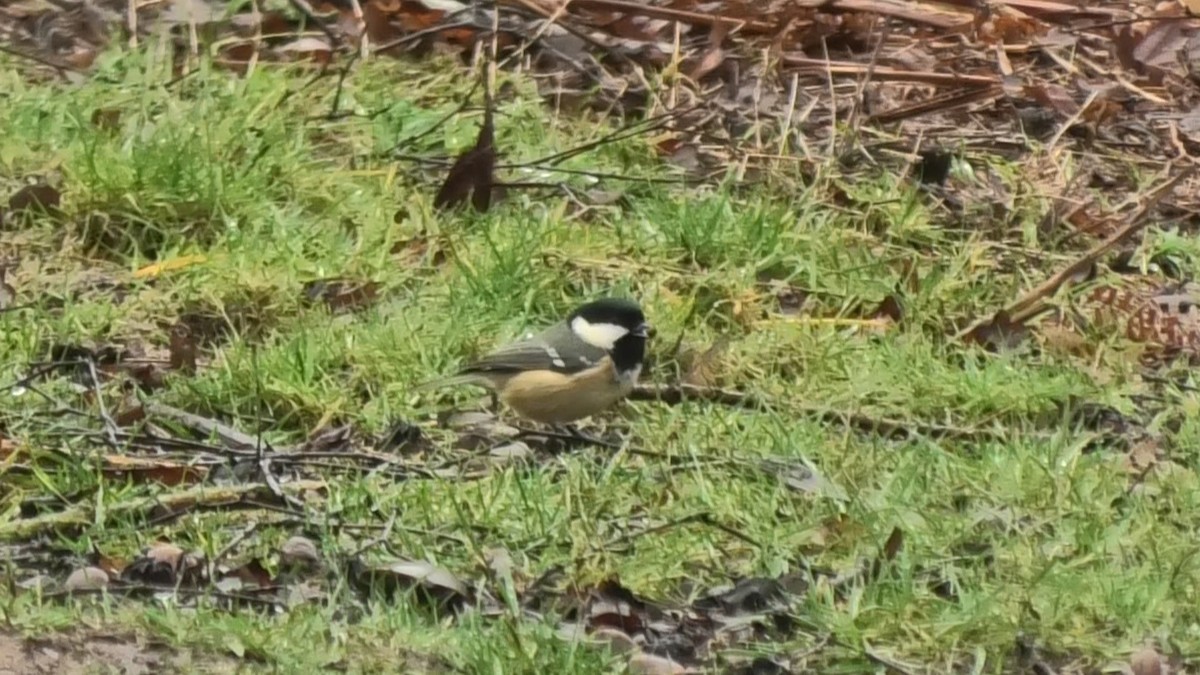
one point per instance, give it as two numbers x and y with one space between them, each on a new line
556 349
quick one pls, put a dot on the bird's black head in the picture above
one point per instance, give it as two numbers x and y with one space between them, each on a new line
615 325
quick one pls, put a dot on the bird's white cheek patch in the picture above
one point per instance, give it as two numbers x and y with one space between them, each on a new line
602 335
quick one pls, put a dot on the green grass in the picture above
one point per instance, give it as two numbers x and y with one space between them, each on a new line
1039 536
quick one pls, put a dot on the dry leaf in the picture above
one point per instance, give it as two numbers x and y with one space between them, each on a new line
143 469
1058 338
8 448
998 333
107 119
889 308
299 552
713 56
473 173
182 349
895 542
39 198
704 369
8 294
251 574
431 584
1142 456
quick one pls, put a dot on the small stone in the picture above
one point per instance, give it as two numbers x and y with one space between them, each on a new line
86 579
649 664
1147 661
616 640
498 561
165 554
300 552
513 451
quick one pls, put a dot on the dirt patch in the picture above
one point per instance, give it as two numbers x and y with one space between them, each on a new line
93 654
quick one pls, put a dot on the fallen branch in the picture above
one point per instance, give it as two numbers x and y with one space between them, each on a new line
85 514
674 394
1033 302
227 435
888 74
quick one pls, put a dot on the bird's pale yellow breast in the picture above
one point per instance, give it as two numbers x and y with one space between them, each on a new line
556 398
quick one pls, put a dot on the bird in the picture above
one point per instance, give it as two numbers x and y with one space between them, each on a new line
576 368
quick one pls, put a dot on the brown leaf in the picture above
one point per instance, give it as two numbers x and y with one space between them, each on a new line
106 119
315 49
378 15
110 564
38 198
251 574
8 294
144 469
1010 27
895 542
1058 338
1143 456
612 605
473 173
704 369
1166 318
182 349
130 411
713 56
891 549
1160 47
236 56
890 308
1053 96
8 448
998 333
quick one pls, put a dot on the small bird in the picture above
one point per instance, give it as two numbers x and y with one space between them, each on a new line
574 369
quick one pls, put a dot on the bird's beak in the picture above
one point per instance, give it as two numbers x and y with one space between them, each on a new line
644 330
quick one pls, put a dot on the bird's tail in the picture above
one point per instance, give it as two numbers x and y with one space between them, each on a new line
452 381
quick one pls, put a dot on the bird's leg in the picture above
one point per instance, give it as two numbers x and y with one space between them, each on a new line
571 432
561 429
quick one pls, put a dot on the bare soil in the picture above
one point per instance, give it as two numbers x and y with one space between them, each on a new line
90 654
